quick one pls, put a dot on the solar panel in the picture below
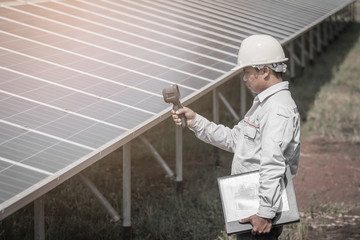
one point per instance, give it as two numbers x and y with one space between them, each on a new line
80 78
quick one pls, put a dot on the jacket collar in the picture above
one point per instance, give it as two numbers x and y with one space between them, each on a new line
272 90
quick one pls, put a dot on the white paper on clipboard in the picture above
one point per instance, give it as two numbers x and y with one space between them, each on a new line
240 196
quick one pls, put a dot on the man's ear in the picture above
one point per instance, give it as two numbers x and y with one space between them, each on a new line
266 72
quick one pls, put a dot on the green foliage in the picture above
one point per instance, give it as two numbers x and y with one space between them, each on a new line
328 93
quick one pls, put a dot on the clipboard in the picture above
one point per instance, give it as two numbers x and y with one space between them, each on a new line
239 198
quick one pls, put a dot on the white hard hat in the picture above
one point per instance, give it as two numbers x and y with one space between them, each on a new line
260 50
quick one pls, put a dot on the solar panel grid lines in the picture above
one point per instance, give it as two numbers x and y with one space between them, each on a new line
34 149
122 63
233 8
40 184
239 23
97 97
288 10
275 15
94 59
33 140
53 157
78 120
178 21
18 164
44 134
65 110
332 7
188 30
314 7
30 143
240 15
135 45
153 32
151 37
190 15
14 163
91 75
112 117
74 53
16 177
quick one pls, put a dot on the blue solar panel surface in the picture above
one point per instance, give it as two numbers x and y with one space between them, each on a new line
81 77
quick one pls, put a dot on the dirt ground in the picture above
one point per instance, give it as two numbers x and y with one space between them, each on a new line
329 173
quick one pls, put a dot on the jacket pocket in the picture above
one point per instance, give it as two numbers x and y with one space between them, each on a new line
250 132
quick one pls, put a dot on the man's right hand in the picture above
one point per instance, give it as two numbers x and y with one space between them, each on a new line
189 114
260 225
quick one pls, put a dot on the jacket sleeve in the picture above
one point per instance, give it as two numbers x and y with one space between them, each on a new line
276 133
215 134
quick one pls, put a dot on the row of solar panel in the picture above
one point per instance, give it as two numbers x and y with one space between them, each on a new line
76 75
69 86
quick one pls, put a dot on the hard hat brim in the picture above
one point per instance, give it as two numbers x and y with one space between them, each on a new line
237 67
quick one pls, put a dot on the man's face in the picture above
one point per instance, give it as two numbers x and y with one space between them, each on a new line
254 80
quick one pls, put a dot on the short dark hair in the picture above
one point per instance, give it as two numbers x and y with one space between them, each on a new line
278 75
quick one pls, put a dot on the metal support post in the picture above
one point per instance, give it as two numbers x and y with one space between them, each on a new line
215 106
343 19
337 24
179 160
353 10
303 50
39 219
325 34
350 12
339 21
332 28
311 44
114 215
216 119
347 16
292 59
318 37
157 157
127 191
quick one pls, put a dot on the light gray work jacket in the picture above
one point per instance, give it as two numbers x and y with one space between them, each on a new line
267 139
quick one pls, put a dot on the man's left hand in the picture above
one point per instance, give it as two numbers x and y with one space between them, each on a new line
259 225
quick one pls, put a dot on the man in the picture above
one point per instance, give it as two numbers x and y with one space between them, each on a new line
268 138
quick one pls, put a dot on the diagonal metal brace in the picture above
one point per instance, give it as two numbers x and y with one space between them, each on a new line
114 215
228 106
158 158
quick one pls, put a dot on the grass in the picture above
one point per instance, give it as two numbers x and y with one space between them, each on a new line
327 93
328 98
335 111
318 219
